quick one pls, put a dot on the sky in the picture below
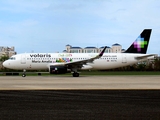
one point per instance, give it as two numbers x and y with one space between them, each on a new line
49 25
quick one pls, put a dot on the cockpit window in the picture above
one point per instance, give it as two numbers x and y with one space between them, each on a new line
12 58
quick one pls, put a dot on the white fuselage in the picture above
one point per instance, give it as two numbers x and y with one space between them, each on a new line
42 61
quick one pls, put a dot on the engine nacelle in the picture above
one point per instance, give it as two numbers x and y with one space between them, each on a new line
86 67
58 69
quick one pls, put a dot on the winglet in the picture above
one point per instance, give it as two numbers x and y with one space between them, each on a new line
101 54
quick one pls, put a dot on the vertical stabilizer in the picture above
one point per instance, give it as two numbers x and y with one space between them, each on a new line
140 45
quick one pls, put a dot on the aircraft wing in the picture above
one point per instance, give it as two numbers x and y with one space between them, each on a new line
88 60
80 63
144 57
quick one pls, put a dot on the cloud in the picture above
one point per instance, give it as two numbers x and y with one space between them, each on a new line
19 6
37 24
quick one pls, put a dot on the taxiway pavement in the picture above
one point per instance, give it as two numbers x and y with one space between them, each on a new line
79 83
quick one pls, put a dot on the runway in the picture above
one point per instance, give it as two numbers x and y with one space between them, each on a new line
80 105
83 98
79 83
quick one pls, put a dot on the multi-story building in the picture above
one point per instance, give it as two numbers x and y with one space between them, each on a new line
7 51
116 48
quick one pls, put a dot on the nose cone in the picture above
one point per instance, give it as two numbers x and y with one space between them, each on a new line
5 63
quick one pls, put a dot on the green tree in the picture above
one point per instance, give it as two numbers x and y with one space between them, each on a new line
141 66
157 64
2 59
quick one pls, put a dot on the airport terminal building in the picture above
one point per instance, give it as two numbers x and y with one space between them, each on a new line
116 48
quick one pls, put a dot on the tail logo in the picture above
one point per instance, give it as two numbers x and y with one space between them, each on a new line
139 43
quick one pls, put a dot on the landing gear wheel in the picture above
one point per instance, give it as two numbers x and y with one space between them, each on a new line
24 75
75 74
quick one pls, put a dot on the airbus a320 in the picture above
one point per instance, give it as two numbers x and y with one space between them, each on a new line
58 63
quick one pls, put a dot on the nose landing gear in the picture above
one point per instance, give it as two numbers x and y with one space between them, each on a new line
24 73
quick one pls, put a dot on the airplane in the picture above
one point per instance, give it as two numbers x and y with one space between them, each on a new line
59 63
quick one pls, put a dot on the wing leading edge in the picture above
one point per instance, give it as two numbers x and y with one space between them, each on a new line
88 60
80 63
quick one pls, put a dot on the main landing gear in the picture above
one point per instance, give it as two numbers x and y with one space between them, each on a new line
75 74
24 73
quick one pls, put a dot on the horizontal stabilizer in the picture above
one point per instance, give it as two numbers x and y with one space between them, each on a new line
144 57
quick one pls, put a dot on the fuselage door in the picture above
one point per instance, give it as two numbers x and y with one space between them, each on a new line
23 59
124 58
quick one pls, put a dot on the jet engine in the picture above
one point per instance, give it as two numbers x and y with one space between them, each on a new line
58 69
